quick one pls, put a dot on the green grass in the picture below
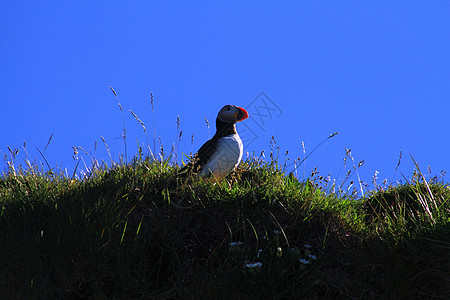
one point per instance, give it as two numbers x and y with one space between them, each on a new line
138 231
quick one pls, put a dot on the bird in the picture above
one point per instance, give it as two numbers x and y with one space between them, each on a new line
222 153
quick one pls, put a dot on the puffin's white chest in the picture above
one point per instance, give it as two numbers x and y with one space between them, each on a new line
226 157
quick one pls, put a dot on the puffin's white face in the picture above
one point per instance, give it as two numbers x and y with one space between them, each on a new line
232 114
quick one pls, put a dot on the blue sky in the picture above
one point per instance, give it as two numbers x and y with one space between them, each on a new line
377 72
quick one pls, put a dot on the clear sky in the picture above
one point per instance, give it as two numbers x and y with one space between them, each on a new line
377 72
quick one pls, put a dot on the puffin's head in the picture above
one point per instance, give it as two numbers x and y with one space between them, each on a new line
232 114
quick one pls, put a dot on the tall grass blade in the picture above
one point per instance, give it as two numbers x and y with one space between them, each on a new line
124 132
48 143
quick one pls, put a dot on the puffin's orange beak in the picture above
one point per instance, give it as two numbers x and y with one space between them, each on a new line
243 114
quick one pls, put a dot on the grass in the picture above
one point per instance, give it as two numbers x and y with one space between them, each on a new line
138 231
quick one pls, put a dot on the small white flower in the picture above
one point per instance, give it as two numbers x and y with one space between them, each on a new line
307 246
234 244
259 252
304 261
279 252
253 265
312 256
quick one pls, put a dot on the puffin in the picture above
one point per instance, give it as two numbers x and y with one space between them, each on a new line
223 152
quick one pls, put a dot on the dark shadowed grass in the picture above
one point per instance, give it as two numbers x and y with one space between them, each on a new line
138 231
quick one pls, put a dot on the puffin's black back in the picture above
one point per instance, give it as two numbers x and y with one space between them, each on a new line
207 150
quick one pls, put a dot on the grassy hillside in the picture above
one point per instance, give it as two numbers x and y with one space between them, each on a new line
139 231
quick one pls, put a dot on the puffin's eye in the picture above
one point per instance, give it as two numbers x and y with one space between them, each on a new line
228 107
